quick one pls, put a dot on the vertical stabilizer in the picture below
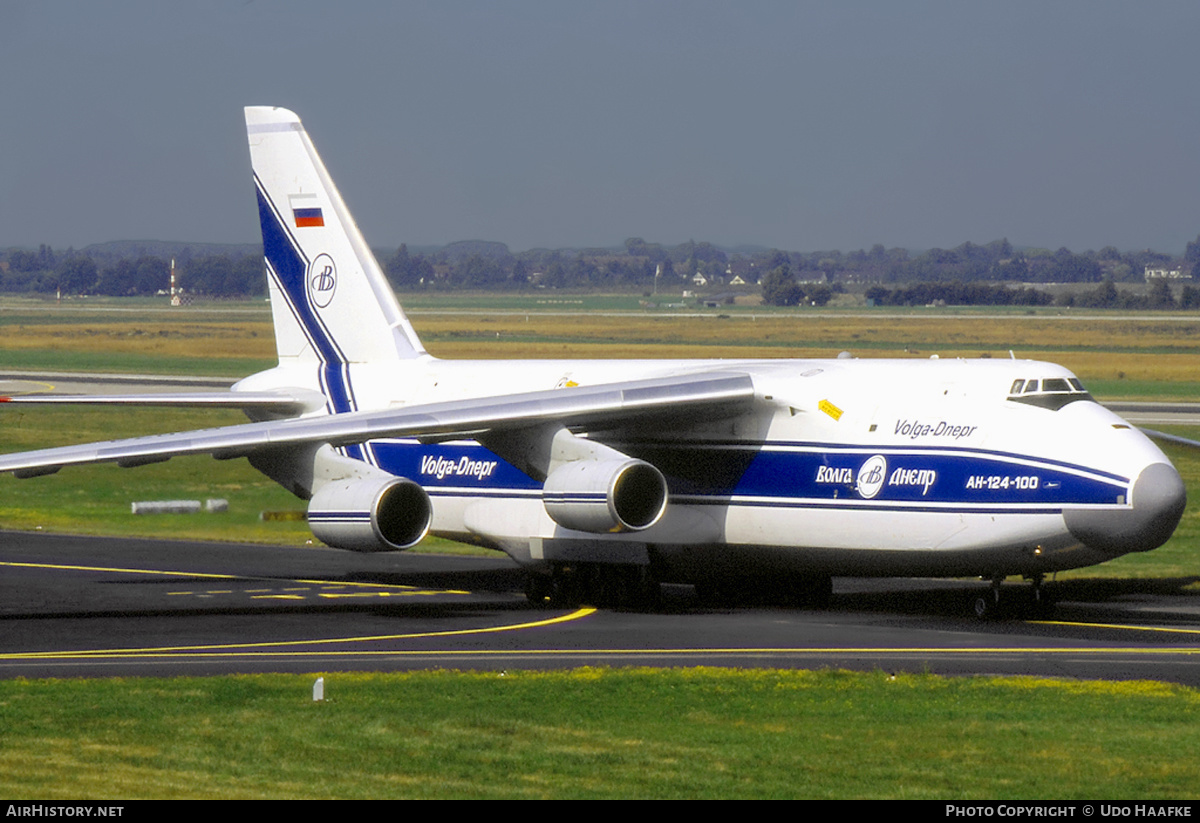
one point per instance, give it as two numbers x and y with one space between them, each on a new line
331 304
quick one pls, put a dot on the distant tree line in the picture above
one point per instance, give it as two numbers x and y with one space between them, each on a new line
491 266
477 265
77 273
958 294
780 288
1106 295
967 274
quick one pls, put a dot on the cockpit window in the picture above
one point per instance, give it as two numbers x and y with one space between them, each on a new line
1048 393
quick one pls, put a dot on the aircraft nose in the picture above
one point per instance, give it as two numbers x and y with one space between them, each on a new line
1157 501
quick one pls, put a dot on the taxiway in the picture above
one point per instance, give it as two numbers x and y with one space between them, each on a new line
75 606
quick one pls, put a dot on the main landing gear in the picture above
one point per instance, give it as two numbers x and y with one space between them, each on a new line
797 591
1033 603
637 588
596 584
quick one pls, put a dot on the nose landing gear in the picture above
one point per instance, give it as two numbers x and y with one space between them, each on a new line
1034 603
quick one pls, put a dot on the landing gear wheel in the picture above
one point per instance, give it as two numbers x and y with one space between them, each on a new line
539 591
988 604
545 592
645 591
806 592
1041 606
821 593
627 587
985 609
716 596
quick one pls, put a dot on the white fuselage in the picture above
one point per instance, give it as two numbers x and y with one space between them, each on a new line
842 466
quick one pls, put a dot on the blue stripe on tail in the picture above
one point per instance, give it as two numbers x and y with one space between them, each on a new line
287 264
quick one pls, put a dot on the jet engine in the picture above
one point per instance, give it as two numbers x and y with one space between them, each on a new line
370 514
602 496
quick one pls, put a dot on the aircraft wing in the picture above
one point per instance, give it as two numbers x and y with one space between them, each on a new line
606 405
285 402
1140 414
1171 438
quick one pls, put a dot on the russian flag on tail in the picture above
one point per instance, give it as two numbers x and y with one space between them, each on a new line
305 211
308 217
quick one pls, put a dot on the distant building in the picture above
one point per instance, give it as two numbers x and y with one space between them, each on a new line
1165 273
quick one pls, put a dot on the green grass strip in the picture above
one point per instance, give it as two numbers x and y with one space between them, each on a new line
598 733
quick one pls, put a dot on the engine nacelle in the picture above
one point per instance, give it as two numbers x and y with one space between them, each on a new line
370 514
602 496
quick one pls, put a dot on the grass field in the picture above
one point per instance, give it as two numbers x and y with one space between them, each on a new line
1130 357
599 733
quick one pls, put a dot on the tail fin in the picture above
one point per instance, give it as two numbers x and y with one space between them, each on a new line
331 304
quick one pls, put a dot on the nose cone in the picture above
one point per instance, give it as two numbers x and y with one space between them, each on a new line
1157 502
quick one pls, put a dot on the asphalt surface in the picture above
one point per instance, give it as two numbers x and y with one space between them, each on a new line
92 607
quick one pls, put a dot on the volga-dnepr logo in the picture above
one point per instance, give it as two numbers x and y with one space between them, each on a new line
322 281
871 476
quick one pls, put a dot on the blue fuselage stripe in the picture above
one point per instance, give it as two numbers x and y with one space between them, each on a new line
822 476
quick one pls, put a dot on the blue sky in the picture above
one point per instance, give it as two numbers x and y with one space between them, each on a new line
800 125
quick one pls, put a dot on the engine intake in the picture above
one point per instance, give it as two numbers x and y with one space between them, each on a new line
373 514
605 496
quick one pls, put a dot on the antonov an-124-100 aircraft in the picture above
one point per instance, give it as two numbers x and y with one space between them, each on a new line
605 478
